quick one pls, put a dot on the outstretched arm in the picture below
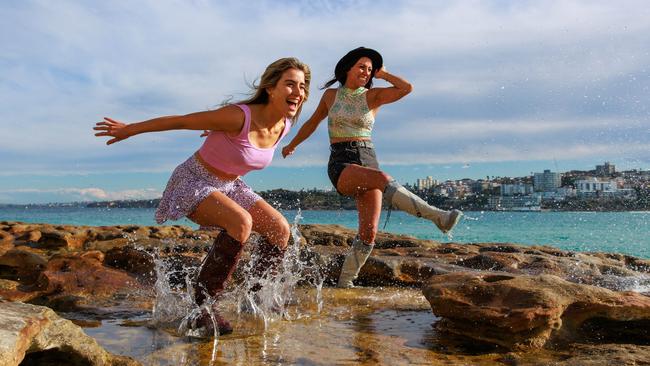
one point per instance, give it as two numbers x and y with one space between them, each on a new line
309 126
381 96
229 119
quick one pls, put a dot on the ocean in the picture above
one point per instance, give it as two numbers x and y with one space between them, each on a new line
619 232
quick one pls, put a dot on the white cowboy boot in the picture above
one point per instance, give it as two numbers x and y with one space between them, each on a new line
354 260
398 196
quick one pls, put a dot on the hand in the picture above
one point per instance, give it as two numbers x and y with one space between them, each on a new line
287 150
205 133
381 73
112 128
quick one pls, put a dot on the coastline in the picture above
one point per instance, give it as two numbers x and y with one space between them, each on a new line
95 270
311 207
589 231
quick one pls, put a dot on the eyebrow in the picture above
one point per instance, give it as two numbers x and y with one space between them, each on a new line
294 81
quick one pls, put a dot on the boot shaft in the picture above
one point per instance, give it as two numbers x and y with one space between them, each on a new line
398 196
354 260
267 259
217 267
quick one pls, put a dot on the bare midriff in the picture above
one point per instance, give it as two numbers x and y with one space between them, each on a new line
216 172
346 139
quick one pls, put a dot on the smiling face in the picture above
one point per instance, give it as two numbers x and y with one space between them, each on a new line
359 74
288 94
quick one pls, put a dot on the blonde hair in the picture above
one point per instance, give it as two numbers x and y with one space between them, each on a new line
270 78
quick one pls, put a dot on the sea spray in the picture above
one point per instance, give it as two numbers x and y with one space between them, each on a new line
266 298
269 295
171 302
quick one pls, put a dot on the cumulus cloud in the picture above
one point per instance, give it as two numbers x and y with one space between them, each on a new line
493 79
86 194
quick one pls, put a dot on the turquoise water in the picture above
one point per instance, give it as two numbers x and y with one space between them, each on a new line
621 232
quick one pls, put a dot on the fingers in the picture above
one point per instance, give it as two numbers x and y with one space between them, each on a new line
286 152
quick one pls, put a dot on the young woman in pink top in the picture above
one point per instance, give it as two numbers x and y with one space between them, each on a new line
208 189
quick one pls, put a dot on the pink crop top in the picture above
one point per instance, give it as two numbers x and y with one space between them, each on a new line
237 155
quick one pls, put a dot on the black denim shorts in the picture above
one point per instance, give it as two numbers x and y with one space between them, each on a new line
350 152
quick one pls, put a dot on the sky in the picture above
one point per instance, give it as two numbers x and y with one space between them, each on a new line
501 88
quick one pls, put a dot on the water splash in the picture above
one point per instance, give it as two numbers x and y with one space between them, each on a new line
267 298
269 295
171 302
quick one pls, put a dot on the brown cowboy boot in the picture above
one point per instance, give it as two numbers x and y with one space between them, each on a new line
269 256
214 272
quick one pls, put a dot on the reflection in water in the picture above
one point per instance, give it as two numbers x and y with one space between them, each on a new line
361 326
293 320
348 327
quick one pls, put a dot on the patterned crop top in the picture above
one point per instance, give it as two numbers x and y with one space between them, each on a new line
237 155
349 116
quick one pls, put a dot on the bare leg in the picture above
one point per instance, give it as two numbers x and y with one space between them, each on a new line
356 179
275 232
220 262
369 207
366 186
270 223
219 210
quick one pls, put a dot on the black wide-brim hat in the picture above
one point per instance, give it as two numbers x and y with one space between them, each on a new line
347 61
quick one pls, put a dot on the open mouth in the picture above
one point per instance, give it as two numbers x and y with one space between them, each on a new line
293 104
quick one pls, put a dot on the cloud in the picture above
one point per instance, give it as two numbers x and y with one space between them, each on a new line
493 79
85 194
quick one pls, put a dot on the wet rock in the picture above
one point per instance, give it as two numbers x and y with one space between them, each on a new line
176 231
637 264
132 260
35 335
31 236
6 242
501 248
521 312
81 275
6 237
21 265
57 238
492 261
107 245
328 235
604 355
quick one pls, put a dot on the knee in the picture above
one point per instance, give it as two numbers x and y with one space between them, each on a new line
387 178
280 233
242 228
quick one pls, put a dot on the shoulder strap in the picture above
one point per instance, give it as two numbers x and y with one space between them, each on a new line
247 120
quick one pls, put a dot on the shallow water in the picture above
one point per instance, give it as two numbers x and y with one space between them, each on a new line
355 326
361 326
293 320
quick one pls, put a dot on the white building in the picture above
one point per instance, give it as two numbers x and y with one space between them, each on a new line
605 169
592 186
547 181
517 189
426 183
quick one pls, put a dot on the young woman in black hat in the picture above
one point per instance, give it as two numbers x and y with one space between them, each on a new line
353 167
